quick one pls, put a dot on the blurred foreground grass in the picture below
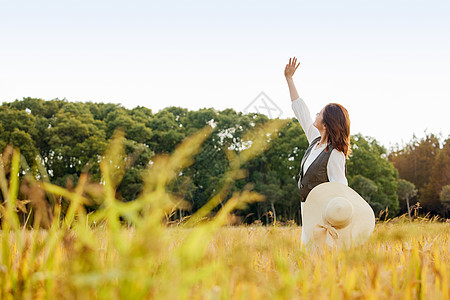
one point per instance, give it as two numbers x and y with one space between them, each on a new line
400 261
97 256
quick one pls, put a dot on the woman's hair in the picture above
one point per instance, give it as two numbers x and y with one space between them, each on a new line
337 122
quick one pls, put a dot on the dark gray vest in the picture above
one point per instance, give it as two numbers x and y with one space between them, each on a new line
317 171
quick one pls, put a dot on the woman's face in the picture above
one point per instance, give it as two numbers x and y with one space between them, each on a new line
318 123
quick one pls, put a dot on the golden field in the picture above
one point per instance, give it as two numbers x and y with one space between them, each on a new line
400 261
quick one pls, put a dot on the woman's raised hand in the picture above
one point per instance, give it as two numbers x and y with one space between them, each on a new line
291 67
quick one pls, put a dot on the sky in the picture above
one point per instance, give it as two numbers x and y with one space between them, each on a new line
387 62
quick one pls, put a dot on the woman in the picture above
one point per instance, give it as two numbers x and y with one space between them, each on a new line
328 137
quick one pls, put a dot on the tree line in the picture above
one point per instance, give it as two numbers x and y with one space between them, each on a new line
68 138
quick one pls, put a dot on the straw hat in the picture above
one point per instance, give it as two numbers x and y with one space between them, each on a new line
336 215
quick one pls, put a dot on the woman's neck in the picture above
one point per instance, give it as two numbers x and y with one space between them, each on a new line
323 139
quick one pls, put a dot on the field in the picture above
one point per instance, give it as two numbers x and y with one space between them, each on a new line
400 261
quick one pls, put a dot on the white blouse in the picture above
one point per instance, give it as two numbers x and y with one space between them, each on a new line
336 162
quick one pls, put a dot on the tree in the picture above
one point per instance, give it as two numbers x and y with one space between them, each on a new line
427 165
275 175
406 191
269 185
366 188
368 159
166 132
19 130
445 199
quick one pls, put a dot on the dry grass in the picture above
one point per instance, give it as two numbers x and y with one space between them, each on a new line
400 261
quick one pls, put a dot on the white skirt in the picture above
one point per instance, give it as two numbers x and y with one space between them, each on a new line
304 238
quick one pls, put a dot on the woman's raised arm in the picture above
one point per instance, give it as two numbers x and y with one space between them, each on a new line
299 107
288 73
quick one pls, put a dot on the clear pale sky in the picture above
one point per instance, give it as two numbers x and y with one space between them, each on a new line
387 62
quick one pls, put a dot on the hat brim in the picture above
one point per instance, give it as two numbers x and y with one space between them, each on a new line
361 225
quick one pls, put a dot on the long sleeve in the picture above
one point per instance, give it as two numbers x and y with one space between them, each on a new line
336 167
303 115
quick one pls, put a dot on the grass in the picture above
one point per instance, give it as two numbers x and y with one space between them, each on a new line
97 256
400 261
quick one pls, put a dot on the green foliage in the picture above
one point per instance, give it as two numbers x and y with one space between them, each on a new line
274 174
365 187
368 160
406 190
70 138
